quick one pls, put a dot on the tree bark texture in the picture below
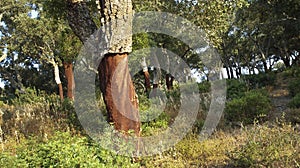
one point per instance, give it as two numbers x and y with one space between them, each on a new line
70 80
80 19
118 92
116 41
116 25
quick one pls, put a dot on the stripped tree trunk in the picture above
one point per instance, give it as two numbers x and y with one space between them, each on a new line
122 113
116 81
57 79
70 79
113 69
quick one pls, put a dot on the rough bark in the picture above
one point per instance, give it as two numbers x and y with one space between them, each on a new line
80 19
116 16
116 23
70 80
119 41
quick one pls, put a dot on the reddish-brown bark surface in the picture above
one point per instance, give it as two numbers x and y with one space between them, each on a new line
70 80
118 93
147 81
60 91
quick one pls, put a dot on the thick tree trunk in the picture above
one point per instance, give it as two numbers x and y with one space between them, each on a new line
70 79
117 43
116 81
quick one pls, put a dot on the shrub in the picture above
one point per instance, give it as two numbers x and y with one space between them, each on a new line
260 80
255 104
292 72
8 160
295 102
265 146
204 87
235 89
65 150
294 87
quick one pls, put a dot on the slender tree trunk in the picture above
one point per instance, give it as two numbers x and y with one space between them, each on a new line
228 73
146 76
156 79
231 72
61 92
169 81
57 80
265 66
70 79
147 81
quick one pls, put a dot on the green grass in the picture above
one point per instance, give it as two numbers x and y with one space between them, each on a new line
39 131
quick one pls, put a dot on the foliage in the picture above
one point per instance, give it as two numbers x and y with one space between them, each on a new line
294 87
268 147
204 87
295 102
254 105
293 115
64 150
260 80
235 89
36 113
292 72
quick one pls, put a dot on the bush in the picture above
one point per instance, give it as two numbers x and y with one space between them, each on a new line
294 87
65 150
8 160
268 147
295 102
255 104
293 116
260 80
235 89
292 72
204 87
